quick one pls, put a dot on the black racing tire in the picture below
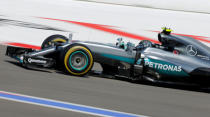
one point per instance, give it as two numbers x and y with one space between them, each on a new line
77 60
49 42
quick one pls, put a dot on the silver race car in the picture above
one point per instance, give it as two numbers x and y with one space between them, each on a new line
175 59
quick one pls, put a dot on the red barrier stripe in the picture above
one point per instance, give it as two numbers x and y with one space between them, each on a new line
23 45
200 38
105 28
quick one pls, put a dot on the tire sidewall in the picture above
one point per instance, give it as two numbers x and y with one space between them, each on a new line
77 48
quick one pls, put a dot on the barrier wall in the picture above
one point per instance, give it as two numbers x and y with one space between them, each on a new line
96 21
201 6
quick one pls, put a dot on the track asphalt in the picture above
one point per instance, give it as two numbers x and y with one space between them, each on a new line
113 94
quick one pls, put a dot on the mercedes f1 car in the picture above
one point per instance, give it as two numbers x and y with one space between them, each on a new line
176 58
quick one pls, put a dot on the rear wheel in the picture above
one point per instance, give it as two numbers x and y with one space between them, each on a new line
78 60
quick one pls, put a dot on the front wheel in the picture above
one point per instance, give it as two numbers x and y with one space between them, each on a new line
78 60
52 40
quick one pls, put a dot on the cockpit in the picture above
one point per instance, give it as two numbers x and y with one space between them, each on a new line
175 44
183 45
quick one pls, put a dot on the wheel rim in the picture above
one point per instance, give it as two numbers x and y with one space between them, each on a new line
89 62
78 60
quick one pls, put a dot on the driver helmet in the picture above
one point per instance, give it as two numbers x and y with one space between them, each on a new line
166 30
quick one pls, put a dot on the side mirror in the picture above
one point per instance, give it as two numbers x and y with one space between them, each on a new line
119 39
120 43
70 36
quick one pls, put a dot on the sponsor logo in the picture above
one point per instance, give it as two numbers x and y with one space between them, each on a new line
30 60
192 51
165 67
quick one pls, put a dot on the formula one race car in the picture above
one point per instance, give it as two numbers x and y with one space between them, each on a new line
176 59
